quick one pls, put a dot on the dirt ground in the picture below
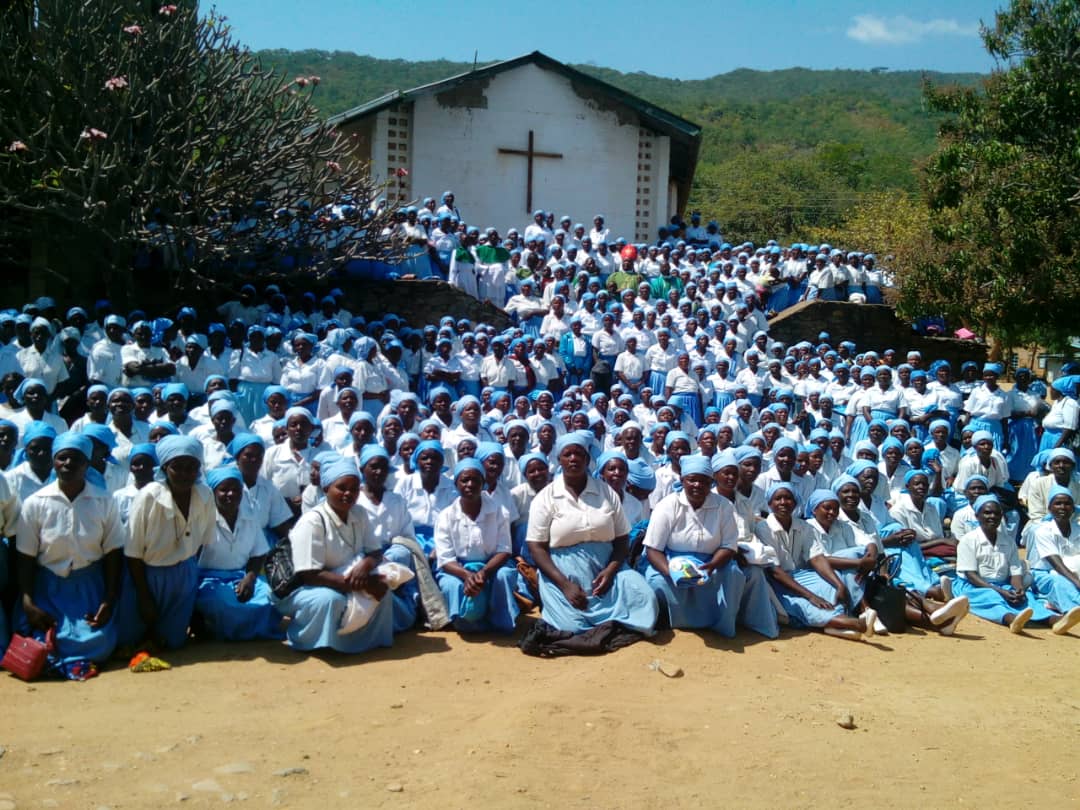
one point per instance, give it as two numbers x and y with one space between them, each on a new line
981 719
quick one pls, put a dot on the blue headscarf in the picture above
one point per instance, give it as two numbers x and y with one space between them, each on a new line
72 441
465 465
229 472
816 499
144 449
173 447
523 462
696 465
373 451
336 470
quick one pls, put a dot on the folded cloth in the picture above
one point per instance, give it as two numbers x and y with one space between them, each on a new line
545 641
685 573
361 606
757 553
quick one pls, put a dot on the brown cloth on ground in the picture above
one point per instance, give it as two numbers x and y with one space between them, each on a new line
545 641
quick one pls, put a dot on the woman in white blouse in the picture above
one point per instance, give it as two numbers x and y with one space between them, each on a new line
335 555
288 465
691 546
473 557
1060 425
252 368
69 580
992 576
1054 557
578 536
808 597
426 491
169 523
235 605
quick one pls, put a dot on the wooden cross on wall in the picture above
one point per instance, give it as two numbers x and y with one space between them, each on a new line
529 154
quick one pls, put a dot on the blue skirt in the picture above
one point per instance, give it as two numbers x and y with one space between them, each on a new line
173 589
1055 589
1022 447
860 429
915 574
721 401
988 604
406 599
373 407
873 294
691 406
68 600
1049 440
731 595
801 611
229 619
629 601
470 388
249 400
316 616
993 426
657 380
531 326
494 610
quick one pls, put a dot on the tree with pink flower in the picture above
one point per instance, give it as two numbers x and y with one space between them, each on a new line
144 151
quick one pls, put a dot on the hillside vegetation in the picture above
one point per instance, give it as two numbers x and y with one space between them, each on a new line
788 154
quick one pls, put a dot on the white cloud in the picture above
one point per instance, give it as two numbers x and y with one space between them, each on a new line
873 30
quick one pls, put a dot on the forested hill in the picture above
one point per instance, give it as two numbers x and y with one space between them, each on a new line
784 152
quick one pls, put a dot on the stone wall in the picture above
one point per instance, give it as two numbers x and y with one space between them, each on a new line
419 302
869 326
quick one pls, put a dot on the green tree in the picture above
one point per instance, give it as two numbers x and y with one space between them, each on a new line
1002 187
139 144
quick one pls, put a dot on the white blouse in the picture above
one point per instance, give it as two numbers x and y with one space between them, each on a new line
322 541
993 562
231 549
424 507
66 536
562 519
160 535
459 538
677 526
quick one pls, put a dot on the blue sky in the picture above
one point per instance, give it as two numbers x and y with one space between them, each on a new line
632 35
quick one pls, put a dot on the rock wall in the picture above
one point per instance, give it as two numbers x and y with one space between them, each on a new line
419 302
869 326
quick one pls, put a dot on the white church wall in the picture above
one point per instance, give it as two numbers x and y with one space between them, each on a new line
456 146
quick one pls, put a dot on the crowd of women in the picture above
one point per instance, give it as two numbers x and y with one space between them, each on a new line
631 460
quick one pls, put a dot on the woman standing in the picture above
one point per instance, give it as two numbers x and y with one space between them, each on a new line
578 536
473 554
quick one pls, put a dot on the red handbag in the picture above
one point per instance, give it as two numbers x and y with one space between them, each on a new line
26 657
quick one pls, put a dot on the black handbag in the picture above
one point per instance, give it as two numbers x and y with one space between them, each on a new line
888 600
280 574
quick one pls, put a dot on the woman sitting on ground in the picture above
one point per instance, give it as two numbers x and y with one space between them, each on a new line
334 555
994 578
808 598
1054 555
691 545
473 557
233 602
578 536
70 582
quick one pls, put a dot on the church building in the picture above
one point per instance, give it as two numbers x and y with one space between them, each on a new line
530 133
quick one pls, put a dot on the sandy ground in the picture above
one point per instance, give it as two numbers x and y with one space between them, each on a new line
984 718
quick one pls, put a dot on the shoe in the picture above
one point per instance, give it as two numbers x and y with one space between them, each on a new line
1021 619
950 609
870 619
850 635
946 587
1067 622
879 628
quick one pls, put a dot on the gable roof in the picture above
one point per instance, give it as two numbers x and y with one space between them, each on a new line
685 135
